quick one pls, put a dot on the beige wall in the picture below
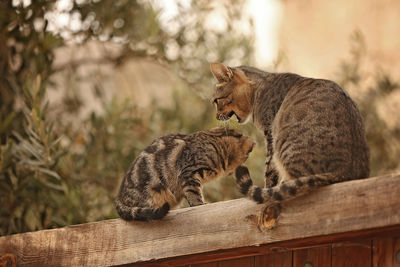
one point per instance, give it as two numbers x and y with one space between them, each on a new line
315 37
138 80
315 34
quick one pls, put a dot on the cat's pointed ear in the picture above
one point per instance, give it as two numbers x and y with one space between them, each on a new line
221 72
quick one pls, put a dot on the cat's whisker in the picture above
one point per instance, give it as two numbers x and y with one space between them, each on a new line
226 131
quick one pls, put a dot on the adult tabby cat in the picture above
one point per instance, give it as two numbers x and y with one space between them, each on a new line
175 166
314 132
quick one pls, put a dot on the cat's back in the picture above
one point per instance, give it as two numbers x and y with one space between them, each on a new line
156 162
320 126
319 103
199 149
318 100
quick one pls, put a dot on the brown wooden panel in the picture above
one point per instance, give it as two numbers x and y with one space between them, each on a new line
317 257
241 262
151 264
352 254
278 259
386 252
208 264
396 252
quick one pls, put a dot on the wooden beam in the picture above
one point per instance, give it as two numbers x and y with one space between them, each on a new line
340 208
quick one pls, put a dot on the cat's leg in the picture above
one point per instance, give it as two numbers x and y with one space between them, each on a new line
160 194
192 190
194 197
271 175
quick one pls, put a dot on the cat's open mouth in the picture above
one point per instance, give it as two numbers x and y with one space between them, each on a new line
226 117
237 117
229 115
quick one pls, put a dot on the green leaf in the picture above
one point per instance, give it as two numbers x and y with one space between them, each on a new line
4 124
49 172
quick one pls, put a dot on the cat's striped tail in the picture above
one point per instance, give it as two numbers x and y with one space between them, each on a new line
286 190
141 213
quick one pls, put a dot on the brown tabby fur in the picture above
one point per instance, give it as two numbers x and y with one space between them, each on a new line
175 166
314 132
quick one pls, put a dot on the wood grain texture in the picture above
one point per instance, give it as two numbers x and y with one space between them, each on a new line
385 252
339 208
208 264
241 262
312 257
278 259
352 254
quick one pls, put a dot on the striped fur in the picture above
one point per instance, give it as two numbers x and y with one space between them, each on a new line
175 166
314 132
286 190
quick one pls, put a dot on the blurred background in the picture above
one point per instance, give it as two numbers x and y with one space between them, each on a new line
87 84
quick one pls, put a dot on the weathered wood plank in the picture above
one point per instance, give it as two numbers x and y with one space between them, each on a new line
352 254
339 208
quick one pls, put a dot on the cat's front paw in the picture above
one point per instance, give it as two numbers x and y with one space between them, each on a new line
194 204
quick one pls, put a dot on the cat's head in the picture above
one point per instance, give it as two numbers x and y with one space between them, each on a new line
238 145
233 94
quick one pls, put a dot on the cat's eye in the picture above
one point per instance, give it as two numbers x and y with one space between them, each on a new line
218 100
224 100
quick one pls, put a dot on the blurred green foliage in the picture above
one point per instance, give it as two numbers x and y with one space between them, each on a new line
383 139
57 168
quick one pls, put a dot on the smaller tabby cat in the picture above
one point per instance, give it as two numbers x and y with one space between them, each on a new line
175 166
